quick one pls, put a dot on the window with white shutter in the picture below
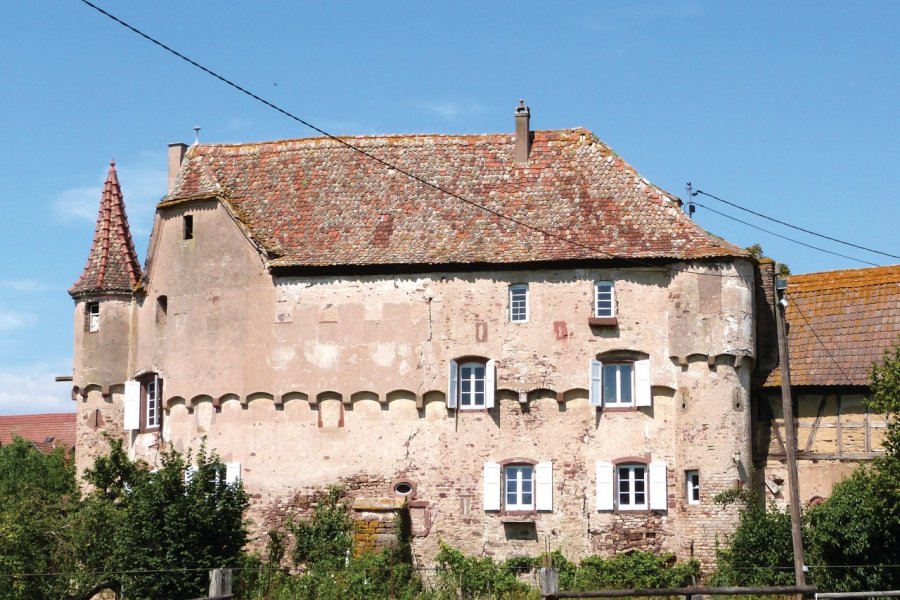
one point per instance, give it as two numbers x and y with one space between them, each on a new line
491 500
642 393
543 475
659 494
132 405
604 485
595 393
232 472
472 384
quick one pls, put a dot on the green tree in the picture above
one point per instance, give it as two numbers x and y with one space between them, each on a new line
759 551
170 525
857 530
37 496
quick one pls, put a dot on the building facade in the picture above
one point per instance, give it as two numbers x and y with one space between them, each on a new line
839 324
537 344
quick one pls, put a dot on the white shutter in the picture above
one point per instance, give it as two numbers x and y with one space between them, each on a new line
189 472
232 472
543 477
453 385
490 383
604 485
491 486
596 380
132 404
659 495
642 395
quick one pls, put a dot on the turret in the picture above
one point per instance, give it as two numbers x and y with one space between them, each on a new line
103 297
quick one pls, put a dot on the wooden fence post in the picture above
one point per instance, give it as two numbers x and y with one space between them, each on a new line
219 582
549 578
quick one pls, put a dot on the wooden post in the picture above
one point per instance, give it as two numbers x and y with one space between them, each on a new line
219 583
790 440
549 578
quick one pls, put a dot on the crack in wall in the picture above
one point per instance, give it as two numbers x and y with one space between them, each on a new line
426 342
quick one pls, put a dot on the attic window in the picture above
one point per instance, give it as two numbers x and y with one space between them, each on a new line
188 226
92 317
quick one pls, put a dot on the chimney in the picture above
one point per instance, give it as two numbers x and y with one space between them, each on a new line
523 132
176 157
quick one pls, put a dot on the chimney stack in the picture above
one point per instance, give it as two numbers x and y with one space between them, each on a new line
176 157
523 132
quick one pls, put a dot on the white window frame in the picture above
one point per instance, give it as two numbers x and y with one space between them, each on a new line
692 486
93 316
519 483
641 384
604 291
632 483
519 308
152 413
613 372
462 387
495 487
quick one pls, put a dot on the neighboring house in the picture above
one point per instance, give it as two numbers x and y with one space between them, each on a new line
46 432
839 325
580 375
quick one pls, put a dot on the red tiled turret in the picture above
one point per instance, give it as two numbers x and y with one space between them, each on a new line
112 266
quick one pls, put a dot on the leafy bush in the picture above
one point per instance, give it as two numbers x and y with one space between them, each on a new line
472 577
634 569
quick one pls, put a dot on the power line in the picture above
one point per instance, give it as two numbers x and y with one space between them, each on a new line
381 161
821 235
784 237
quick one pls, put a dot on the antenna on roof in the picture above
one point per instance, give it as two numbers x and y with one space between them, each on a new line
197 135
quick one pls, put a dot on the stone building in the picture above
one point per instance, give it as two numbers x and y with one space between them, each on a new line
536 344
839 325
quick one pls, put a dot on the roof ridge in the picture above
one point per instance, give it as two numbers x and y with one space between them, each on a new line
392 136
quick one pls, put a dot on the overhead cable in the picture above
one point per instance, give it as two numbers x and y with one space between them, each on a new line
774 220
784 237
388 164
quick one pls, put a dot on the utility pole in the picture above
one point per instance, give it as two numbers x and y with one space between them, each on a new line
790 438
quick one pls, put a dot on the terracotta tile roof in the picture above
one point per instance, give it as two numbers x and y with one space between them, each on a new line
315 202
856 315
112 264
47 431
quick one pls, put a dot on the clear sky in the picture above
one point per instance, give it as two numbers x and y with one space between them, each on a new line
790 109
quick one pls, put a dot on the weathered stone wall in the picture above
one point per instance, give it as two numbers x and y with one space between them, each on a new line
311 381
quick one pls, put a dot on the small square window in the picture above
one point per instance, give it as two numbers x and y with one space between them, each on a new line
618 384
518 303
519 487
632 487
604 299
692 486
188 226
92 317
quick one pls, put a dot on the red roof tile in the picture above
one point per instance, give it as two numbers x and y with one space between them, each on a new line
840 323
112 264
47 431
315 202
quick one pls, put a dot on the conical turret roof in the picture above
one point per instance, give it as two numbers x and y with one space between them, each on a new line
112 266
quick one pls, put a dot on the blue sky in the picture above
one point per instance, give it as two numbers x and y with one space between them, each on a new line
790 109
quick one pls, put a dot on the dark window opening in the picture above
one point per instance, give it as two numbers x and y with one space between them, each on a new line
162 309
188 221
92 317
